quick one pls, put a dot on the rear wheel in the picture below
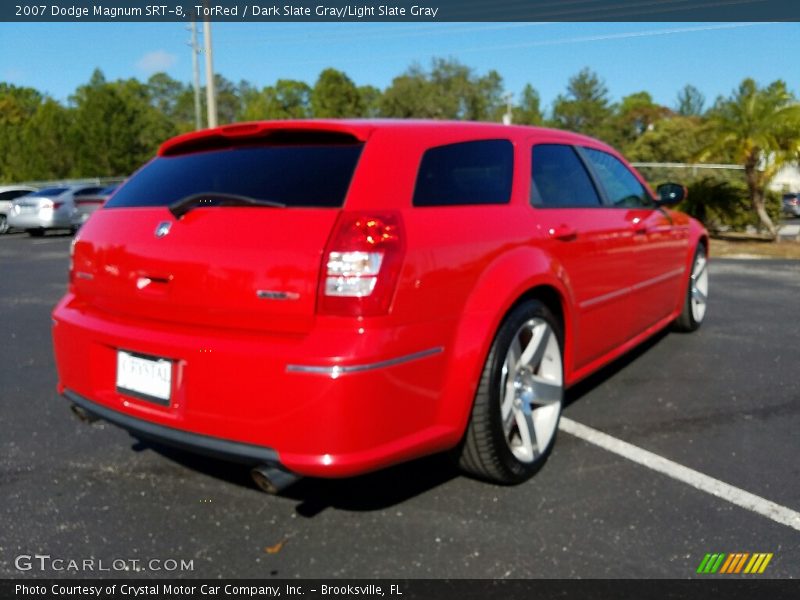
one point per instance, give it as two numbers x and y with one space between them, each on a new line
36 232
516 411
694 305
3 224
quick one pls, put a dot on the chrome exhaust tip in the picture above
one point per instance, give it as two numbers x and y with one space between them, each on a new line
84 415
272 480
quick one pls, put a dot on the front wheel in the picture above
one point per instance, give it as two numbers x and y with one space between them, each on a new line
694 304
3 224
517 407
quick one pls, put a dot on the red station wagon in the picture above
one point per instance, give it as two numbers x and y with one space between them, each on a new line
327 298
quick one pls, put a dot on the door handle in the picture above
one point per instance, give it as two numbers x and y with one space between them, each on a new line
640 228
563 232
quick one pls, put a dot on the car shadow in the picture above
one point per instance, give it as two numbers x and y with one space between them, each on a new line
583 387
381 489
374 491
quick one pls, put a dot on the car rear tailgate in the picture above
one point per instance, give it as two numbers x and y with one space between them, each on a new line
249 268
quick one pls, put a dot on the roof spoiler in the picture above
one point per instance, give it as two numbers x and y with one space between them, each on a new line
266 132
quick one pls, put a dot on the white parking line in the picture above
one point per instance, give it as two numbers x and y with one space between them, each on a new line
715 487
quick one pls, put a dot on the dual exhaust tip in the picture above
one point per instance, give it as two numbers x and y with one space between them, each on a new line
272 480
84 415
268 478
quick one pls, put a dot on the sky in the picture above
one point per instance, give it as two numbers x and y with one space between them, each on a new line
656 57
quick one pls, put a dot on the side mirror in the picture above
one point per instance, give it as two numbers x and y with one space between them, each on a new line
670 194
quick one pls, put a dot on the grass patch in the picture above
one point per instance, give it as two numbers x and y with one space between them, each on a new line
747 247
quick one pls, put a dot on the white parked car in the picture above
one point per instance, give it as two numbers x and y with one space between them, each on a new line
7 194
49 208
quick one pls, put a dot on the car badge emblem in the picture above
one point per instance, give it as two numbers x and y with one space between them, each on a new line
163 229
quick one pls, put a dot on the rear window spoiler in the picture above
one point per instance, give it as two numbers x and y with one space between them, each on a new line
280 132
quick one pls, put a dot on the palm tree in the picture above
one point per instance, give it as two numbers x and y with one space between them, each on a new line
760 129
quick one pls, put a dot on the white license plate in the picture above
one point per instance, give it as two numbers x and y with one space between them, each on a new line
149 378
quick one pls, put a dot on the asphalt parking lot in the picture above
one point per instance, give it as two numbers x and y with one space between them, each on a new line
724 401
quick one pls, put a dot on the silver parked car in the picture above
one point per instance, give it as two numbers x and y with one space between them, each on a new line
49 208
7 194
86 203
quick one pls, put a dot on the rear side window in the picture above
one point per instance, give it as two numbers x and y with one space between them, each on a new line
621 186
294 175
477 172
559 179
11 194
88 191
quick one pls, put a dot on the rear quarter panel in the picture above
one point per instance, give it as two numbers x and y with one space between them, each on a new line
465 266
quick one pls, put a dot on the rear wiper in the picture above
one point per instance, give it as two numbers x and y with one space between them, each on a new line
184 205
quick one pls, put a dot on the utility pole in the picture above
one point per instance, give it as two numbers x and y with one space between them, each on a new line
507 117
198 117
211 92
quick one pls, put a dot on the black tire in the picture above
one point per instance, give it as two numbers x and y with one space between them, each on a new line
485 451
3 224
689 320
36 232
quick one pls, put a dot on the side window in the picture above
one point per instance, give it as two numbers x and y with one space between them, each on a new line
88 191
559 179
11 194
621 186
477 172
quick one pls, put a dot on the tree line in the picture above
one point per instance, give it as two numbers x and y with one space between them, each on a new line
109 128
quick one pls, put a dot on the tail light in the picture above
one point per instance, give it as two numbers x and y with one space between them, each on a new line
50 205
361 264
71 284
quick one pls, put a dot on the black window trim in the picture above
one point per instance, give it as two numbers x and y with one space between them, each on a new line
601 193
581 150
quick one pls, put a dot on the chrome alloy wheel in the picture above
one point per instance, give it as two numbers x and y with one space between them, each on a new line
531 390
699 285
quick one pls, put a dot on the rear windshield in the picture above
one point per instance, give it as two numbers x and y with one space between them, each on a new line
88 191
54 191
294 175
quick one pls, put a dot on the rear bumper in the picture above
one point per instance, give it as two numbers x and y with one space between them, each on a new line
335 402
202 444
51 220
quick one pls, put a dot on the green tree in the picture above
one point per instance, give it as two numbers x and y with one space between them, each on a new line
17 107
635 115
408 96
690 102
760 127
46 150
173 99
585 107
450 90
115 127
529 111
370 100
335 95
228 100
674 139
287 99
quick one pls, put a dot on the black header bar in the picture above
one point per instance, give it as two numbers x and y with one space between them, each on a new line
707 588
397 11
